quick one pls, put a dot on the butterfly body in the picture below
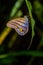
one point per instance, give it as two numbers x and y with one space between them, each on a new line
21 25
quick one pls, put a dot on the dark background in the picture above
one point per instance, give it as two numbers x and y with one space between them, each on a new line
22 42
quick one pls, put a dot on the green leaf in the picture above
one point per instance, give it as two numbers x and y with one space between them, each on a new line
15 8
23 53
31 17
8 60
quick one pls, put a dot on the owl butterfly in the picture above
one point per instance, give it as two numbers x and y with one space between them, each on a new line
20 25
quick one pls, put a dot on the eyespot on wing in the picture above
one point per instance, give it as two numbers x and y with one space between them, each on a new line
20 25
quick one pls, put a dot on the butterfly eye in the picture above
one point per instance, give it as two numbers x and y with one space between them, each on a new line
20 25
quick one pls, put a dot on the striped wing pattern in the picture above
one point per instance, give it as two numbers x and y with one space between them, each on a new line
20 25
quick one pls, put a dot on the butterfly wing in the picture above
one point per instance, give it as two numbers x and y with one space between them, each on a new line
20 25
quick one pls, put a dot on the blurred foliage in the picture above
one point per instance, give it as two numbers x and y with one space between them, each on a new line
38 9
4 34
16 7
12 45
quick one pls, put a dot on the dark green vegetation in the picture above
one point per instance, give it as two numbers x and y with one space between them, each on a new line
16 49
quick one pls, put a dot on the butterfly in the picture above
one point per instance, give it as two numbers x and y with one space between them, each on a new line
21 25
